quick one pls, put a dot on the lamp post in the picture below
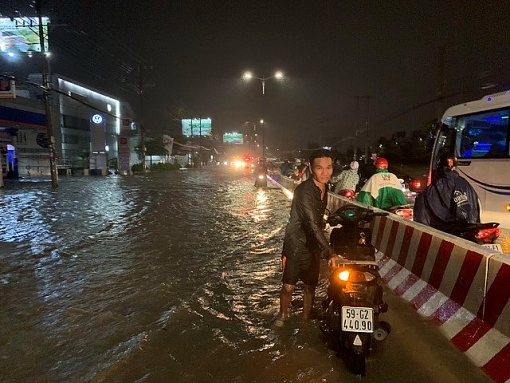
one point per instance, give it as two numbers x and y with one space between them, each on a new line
263 140
278 75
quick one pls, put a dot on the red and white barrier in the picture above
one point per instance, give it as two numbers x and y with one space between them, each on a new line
460 286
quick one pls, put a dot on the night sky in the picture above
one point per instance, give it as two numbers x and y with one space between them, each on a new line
347 63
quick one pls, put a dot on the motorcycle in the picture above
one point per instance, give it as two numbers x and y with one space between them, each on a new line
355 294
350 194
404 211
484 234
260 180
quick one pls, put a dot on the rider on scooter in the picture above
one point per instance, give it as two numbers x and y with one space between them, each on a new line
383 190
347 179
449 200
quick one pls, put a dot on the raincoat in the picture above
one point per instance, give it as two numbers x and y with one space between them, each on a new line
347 180
449 200
383 190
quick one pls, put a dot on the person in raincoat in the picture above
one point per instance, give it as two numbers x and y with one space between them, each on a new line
447 201
348 179
383 190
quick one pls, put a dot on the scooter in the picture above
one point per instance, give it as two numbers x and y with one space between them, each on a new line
350 194
404 211
484 234
260 180
355 294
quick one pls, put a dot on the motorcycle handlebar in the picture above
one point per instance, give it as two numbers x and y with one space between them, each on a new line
362 215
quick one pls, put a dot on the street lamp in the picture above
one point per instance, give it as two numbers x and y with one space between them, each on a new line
277 75
263 140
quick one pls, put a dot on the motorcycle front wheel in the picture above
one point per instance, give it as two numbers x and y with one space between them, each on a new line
358 363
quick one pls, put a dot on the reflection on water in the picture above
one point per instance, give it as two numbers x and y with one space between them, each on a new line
141 278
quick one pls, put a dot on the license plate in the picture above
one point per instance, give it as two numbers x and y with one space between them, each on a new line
493 246
357 319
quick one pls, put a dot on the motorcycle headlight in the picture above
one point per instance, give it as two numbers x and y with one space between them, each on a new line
344 275
355 276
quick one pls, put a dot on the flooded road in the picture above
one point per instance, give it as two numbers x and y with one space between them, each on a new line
172 277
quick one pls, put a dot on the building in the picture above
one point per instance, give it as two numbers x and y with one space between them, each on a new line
93 131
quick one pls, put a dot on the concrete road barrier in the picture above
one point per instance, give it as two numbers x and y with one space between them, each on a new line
288 183
462 287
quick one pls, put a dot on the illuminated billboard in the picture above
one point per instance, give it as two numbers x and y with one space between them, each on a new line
196 127
233 138
21 34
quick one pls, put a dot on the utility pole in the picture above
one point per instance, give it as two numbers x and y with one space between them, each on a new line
142 136
367 98
356 130
141 88
47 106
441 92
200 143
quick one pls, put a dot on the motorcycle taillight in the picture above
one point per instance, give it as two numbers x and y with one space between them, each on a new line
492 232
348 193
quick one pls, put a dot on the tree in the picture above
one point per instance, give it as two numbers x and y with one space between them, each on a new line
153 147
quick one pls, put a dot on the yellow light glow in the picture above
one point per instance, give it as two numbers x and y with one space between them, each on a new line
261 197
344 275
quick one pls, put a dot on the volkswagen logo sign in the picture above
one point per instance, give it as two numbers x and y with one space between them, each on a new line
97 118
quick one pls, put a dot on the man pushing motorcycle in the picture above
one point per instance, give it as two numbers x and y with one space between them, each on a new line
305 242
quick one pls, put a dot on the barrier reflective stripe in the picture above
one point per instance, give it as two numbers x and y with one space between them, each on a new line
444 254
495 308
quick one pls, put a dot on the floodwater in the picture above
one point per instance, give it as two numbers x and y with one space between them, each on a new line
163 277
180 267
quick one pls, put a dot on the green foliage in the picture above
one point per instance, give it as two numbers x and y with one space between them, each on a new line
153 147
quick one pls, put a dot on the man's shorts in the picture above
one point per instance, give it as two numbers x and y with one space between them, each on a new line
301 266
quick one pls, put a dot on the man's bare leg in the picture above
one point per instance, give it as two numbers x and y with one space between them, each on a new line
285 299
308 298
